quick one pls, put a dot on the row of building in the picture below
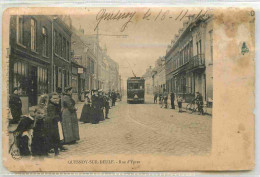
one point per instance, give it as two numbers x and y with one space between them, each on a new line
187 66
47 52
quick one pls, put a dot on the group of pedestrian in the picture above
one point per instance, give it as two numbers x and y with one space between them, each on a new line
96 106
163 101
48 126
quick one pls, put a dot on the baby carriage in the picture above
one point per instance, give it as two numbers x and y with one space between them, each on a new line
22 137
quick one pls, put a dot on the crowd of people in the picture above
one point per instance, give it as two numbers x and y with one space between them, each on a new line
97 105
53 122
163 101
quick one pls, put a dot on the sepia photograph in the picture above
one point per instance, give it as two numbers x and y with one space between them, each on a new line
123 88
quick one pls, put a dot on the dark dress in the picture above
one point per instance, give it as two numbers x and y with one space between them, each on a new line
25 124
70 125
15 105
95 109
86 112
53 117
101 106
39 144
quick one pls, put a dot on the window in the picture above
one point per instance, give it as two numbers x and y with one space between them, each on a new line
55 36
68 50
20 76
74 83
42 80
33 34
20 29
44 41
91 67
191 50
211 45
64 52
60 45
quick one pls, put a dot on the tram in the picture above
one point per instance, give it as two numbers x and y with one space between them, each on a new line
135 90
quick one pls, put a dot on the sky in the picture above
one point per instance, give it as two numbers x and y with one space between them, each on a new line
148 32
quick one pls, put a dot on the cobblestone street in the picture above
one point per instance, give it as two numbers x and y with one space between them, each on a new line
144 128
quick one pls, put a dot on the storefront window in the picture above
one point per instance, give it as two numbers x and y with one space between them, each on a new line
20 76
42 80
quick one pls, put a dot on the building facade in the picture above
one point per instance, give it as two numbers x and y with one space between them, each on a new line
30 57
159 76
189 60
148 80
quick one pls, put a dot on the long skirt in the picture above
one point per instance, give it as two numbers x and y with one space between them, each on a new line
94 116
101 114
52 134
70 126
86 114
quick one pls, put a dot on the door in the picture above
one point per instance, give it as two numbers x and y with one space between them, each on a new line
32 86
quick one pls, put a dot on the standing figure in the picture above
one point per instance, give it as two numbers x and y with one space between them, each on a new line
106 106
165 99
155 98
113 98
59 92
172 100
86 110
15 105
53 117
39 142
179 100
95 107
199 102
69 118
100 105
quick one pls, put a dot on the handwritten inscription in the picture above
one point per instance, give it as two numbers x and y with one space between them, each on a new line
128 17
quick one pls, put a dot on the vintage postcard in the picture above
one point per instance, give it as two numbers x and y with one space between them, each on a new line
128 89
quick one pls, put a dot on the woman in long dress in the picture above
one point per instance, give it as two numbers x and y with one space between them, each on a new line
86 110
69 118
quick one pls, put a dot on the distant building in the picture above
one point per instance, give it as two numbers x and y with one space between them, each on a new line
159 76
148 80
189 60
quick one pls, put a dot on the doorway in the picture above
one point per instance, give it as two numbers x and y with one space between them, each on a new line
32 86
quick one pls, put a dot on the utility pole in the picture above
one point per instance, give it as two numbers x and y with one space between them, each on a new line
97 57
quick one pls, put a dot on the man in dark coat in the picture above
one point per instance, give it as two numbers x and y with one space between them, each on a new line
172 100
106 106
113 98
15 105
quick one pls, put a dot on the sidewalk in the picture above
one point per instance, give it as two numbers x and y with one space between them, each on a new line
149 99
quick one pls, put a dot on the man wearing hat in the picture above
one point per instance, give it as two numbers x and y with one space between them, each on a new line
15 105
199 102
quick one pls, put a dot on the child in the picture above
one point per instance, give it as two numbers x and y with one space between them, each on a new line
39 134
53 117
23 133
179 100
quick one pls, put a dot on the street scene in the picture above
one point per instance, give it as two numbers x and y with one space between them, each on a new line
95 84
